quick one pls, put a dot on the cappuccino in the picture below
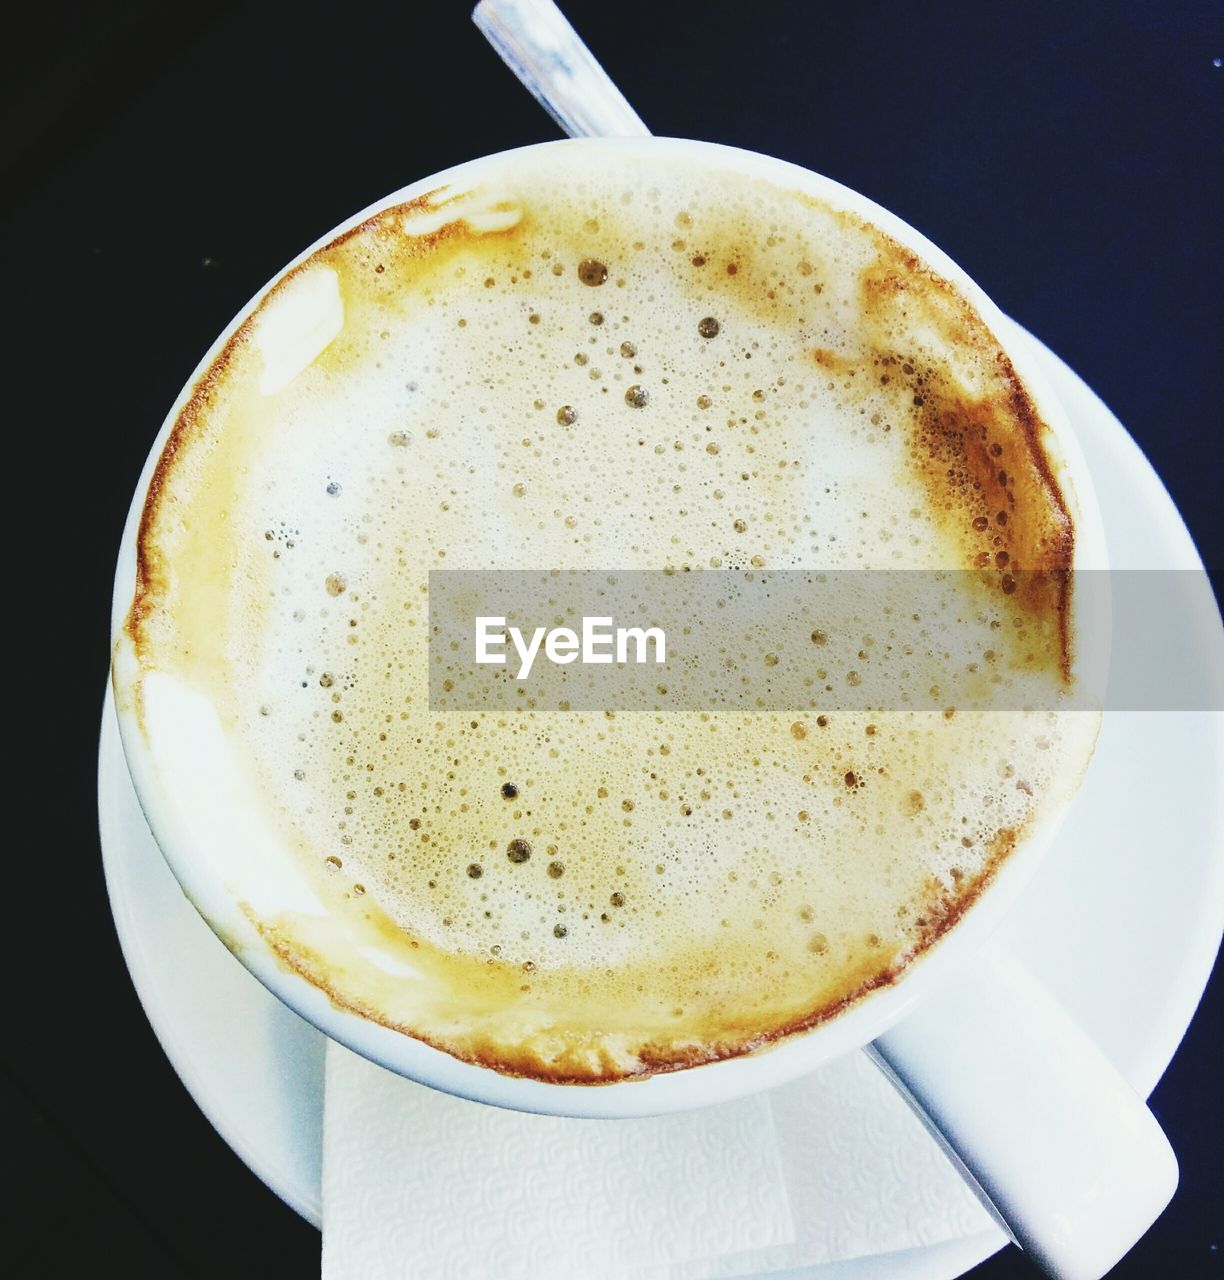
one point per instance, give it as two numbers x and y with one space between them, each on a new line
606 361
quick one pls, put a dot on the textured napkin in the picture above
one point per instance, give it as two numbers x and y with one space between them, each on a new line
863 1176
418 1184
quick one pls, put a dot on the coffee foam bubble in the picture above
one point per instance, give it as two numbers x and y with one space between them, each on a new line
634 365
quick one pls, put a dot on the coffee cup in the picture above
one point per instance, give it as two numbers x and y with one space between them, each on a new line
1039 1120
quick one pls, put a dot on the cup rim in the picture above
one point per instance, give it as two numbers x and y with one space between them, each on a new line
690 1087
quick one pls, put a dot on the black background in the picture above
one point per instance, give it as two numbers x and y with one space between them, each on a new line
159 163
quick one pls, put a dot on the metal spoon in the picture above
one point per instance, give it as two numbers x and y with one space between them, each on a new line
535 40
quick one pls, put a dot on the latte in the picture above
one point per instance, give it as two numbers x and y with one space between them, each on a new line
602 361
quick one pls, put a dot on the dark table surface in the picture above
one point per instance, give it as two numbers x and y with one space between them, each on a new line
159 163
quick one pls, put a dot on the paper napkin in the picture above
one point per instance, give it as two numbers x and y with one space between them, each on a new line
863 1176
419 1184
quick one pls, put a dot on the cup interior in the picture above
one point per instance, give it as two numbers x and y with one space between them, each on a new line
205 817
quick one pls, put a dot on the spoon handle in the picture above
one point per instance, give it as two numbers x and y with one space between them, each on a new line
535 40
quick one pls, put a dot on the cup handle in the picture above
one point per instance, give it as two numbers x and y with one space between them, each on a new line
1061 1150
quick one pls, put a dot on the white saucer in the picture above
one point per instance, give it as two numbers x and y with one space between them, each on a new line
1123 921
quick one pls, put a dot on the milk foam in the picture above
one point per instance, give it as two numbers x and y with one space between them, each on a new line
635 365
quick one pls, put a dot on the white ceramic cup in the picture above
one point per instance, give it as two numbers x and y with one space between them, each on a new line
1069 1159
